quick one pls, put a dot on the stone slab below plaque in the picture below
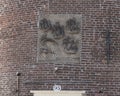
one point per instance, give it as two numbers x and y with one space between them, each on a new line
57 93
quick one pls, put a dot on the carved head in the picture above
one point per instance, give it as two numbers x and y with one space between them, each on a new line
45 24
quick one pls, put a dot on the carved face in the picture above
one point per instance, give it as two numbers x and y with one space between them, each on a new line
72 26
45 24
58 31
70 45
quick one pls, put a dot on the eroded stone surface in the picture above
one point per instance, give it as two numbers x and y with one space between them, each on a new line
59 38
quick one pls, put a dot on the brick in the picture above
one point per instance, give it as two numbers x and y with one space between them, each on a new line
18 48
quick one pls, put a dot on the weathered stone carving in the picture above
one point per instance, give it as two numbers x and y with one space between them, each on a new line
58 31
44 39
59 38
70 45
72 26
46 50
45 24
46 53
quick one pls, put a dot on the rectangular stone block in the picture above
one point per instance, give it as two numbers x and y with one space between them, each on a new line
59 38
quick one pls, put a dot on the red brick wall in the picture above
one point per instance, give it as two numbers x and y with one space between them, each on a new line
18 48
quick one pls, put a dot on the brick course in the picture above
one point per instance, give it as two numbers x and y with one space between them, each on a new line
18 48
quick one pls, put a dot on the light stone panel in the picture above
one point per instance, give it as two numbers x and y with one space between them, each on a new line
59 38
58 93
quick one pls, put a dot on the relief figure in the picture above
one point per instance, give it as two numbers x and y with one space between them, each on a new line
58 31
70 45
45 24
47 47
72 26
44 39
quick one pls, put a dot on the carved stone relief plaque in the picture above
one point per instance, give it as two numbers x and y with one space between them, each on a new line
59 38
